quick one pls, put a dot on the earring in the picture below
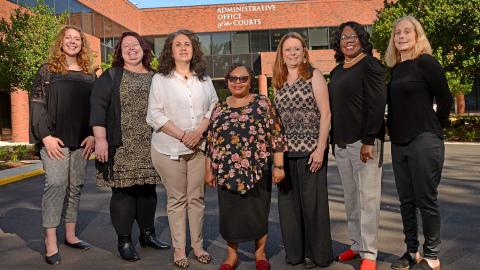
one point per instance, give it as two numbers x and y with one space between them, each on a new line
304 60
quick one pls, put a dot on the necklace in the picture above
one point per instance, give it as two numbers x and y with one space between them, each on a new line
353 60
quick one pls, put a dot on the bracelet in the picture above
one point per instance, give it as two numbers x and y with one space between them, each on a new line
181 139
278 167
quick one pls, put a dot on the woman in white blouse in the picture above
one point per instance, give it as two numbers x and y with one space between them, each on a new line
181 101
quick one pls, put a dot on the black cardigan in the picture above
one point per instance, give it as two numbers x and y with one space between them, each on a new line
105 108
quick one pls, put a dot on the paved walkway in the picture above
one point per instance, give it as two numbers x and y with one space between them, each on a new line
21 241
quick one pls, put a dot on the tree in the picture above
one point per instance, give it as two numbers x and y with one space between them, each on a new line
25 41
452 27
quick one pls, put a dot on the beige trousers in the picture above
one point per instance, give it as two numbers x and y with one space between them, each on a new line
183 181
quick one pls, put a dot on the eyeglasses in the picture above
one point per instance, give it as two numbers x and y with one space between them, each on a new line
242 79
348 37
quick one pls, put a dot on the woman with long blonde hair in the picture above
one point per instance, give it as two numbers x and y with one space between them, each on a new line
59 129
417 79
301 99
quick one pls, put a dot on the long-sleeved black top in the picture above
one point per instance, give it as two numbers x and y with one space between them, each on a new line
358 97
60 106
413 87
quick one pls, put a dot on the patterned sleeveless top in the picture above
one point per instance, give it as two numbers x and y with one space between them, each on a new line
300 117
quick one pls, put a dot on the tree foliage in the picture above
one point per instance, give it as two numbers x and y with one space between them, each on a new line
452 27
25 41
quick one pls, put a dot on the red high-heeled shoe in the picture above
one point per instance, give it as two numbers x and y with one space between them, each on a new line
262 265
347 255
227 266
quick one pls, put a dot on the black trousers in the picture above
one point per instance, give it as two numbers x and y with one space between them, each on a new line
417 167
304 213
128 204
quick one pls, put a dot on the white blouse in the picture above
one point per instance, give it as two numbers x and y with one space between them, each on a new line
183 102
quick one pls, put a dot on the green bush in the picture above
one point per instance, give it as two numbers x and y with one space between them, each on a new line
463 128
17 153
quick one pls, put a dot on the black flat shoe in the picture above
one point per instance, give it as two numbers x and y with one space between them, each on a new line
79 245
148 239
308 264
54 259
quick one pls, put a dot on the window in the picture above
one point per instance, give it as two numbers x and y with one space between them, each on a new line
331 35
221 63
158 43
240 42
303 32
276 36
206 43
260 41
369 29
220 43
245 59
318 38
61 6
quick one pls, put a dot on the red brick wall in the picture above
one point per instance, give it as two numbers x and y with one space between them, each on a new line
119 11
293 14
20 115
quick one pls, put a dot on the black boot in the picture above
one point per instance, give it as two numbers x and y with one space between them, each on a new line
148 239
126 248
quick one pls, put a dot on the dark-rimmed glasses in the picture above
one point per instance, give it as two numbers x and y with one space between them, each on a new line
349 37
241 79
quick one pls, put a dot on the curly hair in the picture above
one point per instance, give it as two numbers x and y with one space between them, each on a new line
57 60
198 64
280 71
251 74
363 37
147 51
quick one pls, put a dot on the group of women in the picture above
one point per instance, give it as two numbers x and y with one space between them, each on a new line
186 138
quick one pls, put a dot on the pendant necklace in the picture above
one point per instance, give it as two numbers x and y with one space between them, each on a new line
355 58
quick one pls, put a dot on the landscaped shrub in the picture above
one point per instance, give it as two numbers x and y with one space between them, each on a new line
463 128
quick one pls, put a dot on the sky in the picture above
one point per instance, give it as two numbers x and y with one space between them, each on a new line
177 3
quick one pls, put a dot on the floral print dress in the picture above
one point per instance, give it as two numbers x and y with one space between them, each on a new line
241 142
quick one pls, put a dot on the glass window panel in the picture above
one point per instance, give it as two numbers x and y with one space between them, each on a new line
61 6
368 28
205 42
158 43
260 41
75 13
256 63
50 3
240 42
27 3
74 6
221 63
98 25
318 38
220 43
87 21
245 59
209 65
331 35
275 36
303 32
107 27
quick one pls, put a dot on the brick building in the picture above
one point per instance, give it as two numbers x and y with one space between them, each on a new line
229 33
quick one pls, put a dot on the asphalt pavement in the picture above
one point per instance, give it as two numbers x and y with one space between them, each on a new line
21 234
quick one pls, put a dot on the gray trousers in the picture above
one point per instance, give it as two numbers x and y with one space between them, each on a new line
64 180
362 189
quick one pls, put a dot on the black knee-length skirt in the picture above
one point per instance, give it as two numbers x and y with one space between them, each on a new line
244 217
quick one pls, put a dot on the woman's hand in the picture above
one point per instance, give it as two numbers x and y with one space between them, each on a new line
210 179
278 175
53 145
101 150
366 152
316 159
88 144
192 138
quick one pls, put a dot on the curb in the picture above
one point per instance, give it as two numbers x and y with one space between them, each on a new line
20 176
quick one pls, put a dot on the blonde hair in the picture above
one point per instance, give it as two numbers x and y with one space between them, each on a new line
422 46
56 60
305 70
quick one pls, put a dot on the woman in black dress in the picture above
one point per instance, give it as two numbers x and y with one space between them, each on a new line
417 137
59 128
244 138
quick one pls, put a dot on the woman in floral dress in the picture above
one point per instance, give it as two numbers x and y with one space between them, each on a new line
244 138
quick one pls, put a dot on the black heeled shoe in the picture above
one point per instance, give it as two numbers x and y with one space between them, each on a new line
148 239
79 245
53 259
126 249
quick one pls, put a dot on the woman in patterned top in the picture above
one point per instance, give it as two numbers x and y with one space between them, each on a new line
122 143
302 102
59 128
244 138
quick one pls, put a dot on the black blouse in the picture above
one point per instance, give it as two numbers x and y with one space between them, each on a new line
413 87
60 106
358 97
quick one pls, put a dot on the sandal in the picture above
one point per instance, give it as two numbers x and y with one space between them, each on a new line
182 263
204 258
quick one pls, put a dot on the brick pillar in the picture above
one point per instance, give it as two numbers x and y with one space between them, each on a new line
20 115
262 85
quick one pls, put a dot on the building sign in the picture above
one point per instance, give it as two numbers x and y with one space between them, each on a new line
241 15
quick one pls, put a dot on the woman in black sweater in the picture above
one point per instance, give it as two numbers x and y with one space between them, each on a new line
59 129
417 139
